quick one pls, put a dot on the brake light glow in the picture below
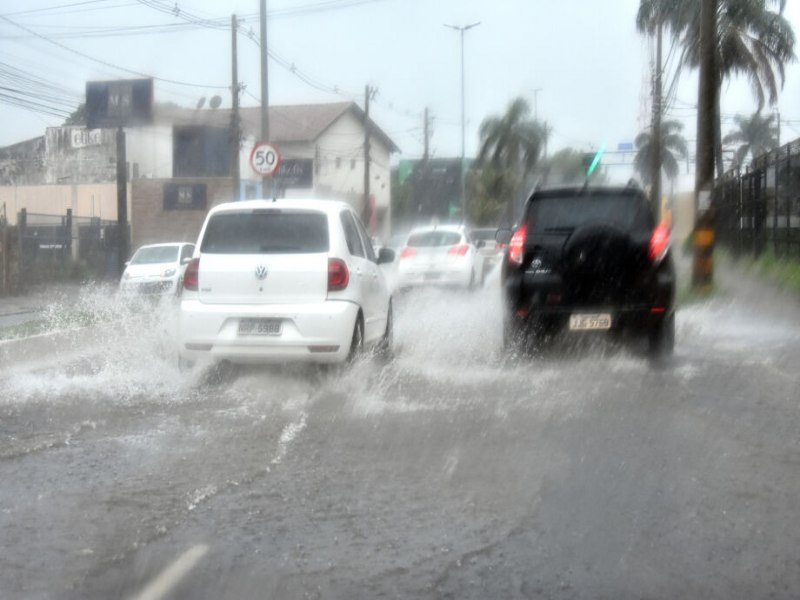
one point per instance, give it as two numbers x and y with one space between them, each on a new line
408 253
659 243
517 244
460 250
338 275
191 277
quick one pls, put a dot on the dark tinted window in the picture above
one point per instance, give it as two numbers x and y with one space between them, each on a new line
187 251
483 234
563 214
366 240
429 239
351 235
266 232
152 256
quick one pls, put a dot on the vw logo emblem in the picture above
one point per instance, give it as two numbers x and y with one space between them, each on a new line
261 272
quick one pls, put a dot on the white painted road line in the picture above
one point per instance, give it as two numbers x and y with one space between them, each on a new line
172 575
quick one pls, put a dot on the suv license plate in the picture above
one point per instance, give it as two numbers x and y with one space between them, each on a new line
586 322
260 326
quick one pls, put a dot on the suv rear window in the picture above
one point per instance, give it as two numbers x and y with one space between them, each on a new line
428 239
564 214
266 232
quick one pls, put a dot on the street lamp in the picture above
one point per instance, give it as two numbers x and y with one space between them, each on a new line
461 30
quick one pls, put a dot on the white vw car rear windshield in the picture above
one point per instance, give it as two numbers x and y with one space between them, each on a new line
266 232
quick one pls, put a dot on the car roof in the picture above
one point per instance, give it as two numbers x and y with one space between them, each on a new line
426 228
327 206
165 245
587 190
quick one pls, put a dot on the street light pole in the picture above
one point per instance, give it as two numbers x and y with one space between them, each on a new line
461 30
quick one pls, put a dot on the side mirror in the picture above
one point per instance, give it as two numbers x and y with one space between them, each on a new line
503 235
127 262
386 255
186 260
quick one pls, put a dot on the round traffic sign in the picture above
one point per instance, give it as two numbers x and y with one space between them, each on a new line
264 159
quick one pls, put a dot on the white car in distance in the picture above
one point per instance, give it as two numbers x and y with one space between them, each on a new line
284 281
156 269
439 255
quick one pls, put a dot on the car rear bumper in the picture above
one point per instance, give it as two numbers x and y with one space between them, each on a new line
148 286
458 275
319 332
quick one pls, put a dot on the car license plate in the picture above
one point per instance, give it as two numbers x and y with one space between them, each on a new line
432 276
260 326
587 322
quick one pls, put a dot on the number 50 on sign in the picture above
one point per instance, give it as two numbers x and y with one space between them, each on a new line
264 159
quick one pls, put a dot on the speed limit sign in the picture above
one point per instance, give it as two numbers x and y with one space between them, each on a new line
265 159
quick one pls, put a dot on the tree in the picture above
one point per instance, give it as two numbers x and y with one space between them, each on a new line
489 191
77 116
755 136
673 147
753 41
511 143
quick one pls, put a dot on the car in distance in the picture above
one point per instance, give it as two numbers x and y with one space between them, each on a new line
284 281
438 255
588 259
156 269
489 249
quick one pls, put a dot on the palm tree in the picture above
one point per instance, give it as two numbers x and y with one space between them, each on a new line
512 142
673 146
752 40
756 135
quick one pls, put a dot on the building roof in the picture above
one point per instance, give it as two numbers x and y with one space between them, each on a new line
290 123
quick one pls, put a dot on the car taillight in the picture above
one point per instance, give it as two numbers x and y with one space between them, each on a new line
659 244
408 253
191 277
460 250
517 244
499 246
338 275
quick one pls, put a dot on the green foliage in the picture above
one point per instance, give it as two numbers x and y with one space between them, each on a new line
489 191
77 116
673 147
756 135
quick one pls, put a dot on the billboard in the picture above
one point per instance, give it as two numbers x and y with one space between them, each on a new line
118 103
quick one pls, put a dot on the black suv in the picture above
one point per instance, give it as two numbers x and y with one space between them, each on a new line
588 259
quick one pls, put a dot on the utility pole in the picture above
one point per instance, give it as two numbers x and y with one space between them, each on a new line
461 30
264 89
122 201
365 213
426 148
655 189
235 175
703 266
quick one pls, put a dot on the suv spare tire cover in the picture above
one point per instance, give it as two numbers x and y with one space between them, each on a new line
597 259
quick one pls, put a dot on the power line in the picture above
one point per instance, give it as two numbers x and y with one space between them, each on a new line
106 63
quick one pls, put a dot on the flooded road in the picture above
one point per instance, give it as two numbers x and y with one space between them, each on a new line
451 472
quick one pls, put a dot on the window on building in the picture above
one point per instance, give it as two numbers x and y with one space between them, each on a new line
200 151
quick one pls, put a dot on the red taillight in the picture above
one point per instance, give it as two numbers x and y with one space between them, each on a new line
659 243
517 244
408 253
499 246
460 250
191 277
338 275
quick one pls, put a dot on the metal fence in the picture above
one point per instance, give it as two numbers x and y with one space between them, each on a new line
758 209
63 247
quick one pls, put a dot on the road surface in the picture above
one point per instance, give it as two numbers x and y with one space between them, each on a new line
452 472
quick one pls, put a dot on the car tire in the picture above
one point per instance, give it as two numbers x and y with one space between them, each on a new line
385 346
661 340
357 341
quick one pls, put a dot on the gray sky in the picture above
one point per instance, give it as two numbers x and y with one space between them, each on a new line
584 56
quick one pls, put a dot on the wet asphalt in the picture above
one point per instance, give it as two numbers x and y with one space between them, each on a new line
453 471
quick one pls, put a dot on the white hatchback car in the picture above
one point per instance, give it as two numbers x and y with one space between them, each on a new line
156 269
284 280
439 255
